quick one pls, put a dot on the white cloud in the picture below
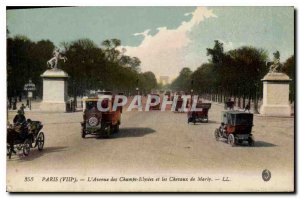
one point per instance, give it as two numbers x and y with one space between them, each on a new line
165 53
227 45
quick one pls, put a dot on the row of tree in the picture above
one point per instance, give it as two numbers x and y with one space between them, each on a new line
90 67
236 73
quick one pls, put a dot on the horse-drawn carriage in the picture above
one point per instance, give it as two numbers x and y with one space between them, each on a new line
97 122
200 113
22 136
236 127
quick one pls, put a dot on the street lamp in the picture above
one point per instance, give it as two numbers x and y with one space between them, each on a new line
137 88
29 87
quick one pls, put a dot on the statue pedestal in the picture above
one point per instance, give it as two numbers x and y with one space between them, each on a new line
54 90
276 95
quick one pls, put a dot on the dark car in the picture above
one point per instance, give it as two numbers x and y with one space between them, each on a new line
236 127
154 107
199 115
100 123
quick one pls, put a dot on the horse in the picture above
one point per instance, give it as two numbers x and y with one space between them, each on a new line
52 63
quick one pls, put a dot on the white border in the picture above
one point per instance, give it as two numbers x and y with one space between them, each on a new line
108 3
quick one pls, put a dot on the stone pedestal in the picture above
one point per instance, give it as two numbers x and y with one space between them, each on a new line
55 93
276 95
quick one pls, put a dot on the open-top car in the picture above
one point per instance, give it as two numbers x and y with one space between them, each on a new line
200 114
236 127
101 123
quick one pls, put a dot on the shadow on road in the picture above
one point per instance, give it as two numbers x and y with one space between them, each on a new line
133 132
55 123
256 144
35 153
203 123
263 144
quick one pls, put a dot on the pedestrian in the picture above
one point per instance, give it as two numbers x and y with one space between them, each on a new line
14 103
247 108
10 103
22 108
27 103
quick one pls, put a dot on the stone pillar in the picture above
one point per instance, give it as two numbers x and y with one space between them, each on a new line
55 90
276 95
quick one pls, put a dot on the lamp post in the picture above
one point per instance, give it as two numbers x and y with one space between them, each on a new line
137 86
29 87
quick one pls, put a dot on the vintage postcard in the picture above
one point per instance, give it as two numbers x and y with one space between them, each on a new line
150 99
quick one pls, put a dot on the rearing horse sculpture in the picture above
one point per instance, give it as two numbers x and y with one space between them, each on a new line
53 62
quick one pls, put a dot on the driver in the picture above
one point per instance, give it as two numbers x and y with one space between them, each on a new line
19 118
20 123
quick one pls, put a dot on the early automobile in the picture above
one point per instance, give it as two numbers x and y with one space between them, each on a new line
168 95
179 102
200 113
236 128
154 107
24 136
101 123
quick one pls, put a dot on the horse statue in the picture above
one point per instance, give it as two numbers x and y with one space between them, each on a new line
276 66
57 55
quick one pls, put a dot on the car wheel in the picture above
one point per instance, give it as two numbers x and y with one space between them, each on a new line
26 147
231 140
250 141
116 128
40 141
107 131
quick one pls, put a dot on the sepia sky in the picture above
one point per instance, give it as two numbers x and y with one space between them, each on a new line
166 39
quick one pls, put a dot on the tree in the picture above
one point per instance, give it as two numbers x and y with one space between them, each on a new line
89 66
148 81
289 69
217 53
183 81
249 66
110 49
26 60
86 64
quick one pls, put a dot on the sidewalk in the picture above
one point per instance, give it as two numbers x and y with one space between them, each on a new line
251 110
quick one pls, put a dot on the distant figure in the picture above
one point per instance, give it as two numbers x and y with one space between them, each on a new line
14 102
27 103
229 104
53 62
9 104
22 108
247 108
